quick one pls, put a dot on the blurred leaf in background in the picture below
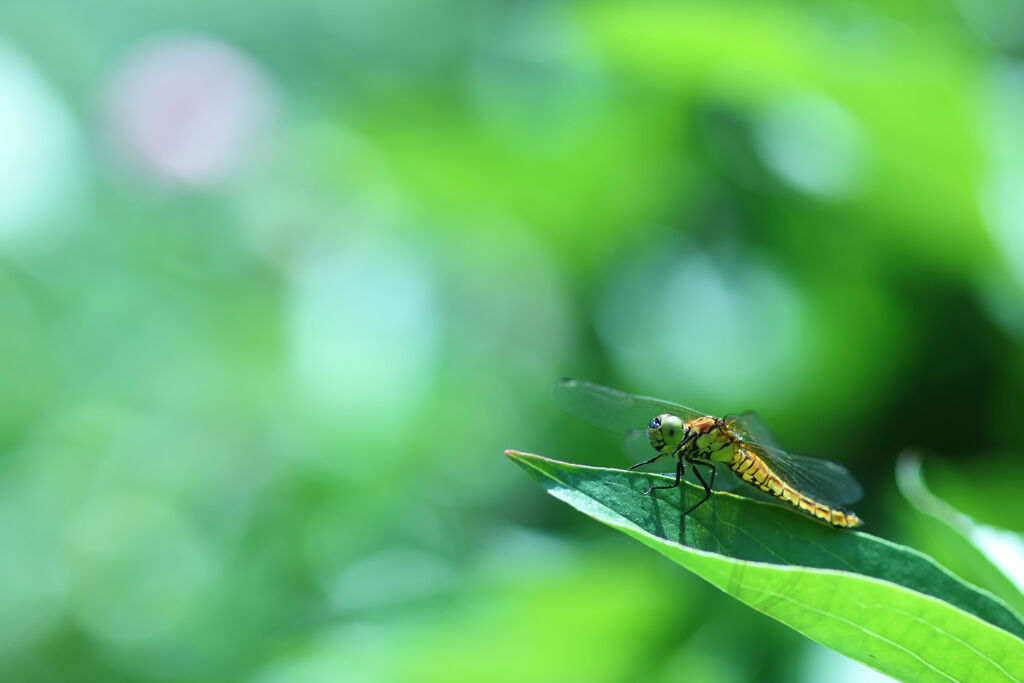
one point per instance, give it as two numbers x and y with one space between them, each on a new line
277 287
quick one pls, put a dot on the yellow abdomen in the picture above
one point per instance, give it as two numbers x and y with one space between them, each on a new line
753 470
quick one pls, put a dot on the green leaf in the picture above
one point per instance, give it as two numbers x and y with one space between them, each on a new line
883 604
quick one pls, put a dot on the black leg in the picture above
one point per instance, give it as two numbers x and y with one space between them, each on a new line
679 475
646 462
707 487
675 451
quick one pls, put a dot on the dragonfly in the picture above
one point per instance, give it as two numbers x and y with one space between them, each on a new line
813 486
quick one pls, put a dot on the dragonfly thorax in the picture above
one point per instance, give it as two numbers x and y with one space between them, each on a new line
666 432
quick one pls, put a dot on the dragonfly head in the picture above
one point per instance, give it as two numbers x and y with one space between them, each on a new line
666 432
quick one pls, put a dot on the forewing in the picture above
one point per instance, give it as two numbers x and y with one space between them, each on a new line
822 480
612 409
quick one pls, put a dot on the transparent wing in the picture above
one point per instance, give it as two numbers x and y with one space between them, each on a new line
823 480
611 409
753 430
638 446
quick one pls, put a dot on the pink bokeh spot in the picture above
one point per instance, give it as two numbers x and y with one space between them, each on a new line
188 109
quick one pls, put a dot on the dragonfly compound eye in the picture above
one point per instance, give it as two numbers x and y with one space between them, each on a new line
670 430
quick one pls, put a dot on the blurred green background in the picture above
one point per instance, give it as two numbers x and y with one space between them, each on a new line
280 281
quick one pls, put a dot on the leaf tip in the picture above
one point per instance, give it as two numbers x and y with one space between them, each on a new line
521 457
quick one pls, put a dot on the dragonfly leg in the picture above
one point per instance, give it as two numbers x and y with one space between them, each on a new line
646 462
707 487
680 468
678 449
